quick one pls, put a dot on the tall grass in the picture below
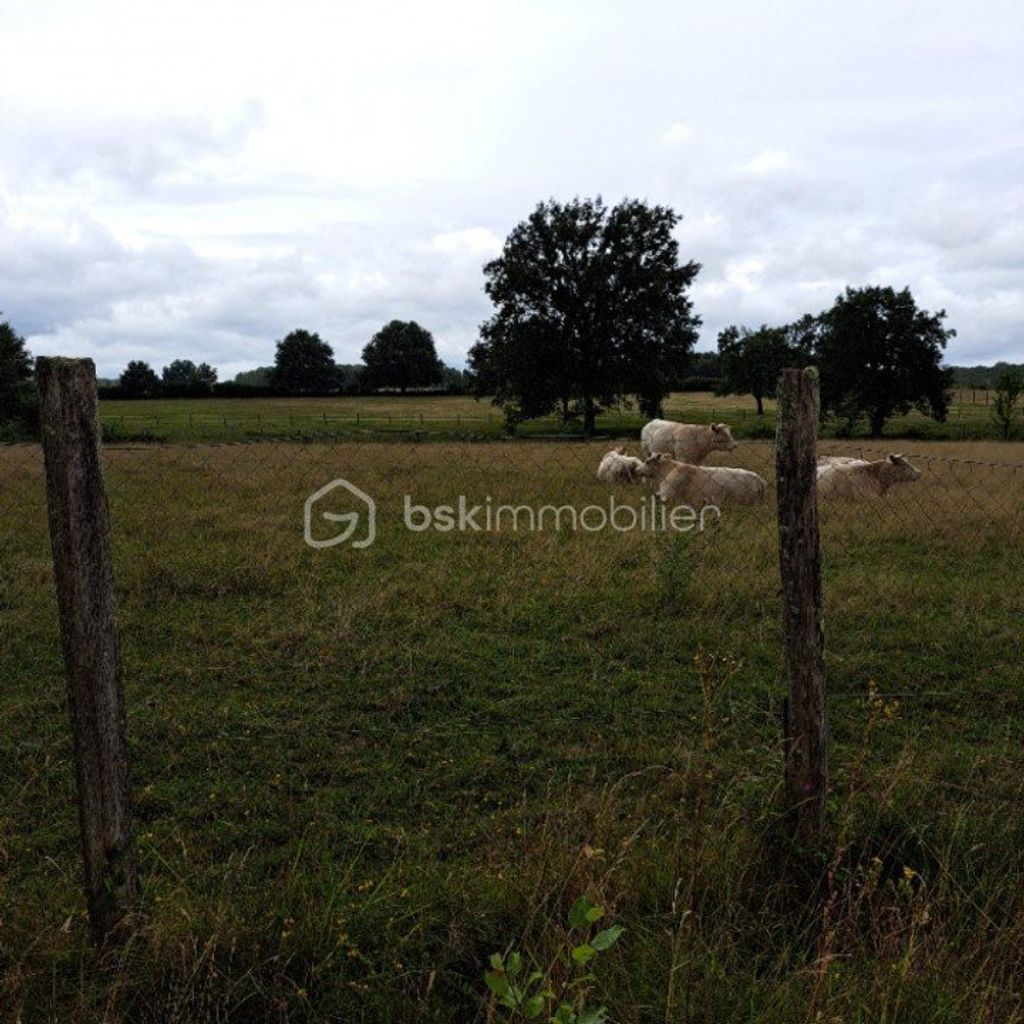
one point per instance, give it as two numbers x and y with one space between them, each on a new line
359 774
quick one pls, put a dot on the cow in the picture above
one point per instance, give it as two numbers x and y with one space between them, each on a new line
686 442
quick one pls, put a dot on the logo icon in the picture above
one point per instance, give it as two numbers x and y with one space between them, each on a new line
365 506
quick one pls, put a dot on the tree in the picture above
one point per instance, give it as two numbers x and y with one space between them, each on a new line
17 390
1009 389
880 356
180 374
591 307
751 361
139 380
401 355
206 376
304 363
454 380
183 373
258 378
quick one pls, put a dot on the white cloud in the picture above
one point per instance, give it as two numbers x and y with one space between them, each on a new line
768 160
196 180
477 241
677 133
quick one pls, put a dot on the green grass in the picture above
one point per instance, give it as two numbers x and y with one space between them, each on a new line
458 416
359 773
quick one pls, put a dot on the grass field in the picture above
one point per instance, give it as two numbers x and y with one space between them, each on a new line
451 416
359 773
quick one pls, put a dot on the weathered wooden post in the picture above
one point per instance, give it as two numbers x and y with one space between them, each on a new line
800 570
79 534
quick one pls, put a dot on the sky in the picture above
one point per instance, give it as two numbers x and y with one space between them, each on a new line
195 179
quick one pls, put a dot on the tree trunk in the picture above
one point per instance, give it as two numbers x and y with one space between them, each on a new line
877 424
589 416
760 405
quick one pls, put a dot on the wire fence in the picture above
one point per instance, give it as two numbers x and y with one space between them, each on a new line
366 637
504 530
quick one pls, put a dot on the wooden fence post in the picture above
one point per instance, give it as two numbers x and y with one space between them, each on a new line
800 570
79 534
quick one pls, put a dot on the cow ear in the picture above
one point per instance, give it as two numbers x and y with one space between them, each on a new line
622 450
716 427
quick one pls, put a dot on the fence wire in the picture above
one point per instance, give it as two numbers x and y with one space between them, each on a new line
929 563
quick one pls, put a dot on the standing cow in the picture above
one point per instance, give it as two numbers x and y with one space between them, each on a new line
686 442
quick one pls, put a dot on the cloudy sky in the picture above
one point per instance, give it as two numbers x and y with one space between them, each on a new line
195 179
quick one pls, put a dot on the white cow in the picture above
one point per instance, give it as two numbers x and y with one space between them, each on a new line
843 477
687 442
683 483
618 467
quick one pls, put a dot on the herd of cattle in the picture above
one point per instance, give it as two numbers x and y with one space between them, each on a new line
673 454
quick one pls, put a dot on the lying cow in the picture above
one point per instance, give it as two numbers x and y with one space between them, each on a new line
678 483
619 468
843 477
686 442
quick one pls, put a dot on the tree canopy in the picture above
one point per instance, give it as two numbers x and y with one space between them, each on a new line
401 355
591 306
304 363
1005 409
139 380
751 361
16 387
879 356
183 373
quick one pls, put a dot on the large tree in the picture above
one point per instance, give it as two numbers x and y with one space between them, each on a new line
16 387
751 361
401 355
880 356
304 363
183 373
591 306
139 380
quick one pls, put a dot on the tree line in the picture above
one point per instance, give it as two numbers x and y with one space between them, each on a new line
400 357
592 311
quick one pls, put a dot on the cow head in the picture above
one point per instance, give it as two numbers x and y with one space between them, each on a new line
656 466
900 469
721 438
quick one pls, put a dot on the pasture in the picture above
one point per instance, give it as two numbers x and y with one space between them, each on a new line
358 773
462 416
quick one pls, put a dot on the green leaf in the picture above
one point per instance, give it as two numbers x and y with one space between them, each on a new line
498 983
515 963
595 914
578 913
596 1016
564 1015
584 954
606 939
497 961
533 1007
